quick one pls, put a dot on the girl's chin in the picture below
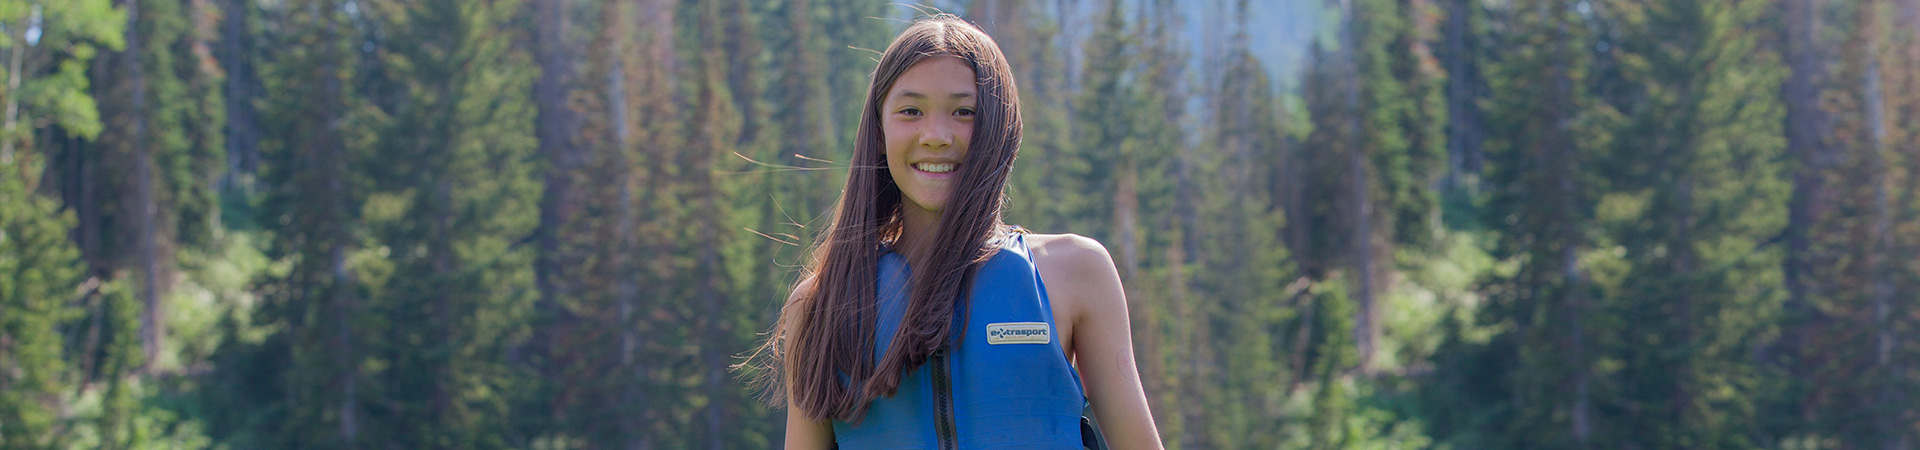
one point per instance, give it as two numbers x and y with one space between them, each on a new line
934 207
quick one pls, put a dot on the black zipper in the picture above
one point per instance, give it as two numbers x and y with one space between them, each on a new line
943 402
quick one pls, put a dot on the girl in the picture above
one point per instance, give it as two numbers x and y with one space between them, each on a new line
923 321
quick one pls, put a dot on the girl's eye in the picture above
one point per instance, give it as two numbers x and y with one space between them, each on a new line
964 112
910 111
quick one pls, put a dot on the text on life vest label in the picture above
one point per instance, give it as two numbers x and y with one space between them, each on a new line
1019 333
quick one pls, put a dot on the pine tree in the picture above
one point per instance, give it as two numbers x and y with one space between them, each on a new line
658 94
1901 85
1334 357
1121 180
120 343
1848 367
1031 38
455 194
1091 167
1375 154
239 54
1545 132
39 270
726 301
1315 227
158 155
42 296
1244 266
1807 53
557 264
1698 187
1461 52
316 130
47 83
583 257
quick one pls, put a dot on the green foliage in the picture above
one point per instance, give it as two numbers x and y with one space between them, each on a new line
460 178
1842 332
71 34
39 268
1539 201
1333 356
1643 214
164 147
184 117
1400 122
413 273
308 197
1705 142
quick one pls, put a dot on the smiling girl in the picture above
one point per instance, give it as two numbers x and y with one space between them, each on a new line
924 321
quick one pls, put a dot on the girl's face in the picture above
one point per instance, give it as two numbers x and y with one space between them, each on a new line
927 121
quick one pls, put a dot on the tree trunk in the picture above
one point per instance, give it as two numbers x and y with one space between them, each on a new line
1881 274
331 150
236 58
1463 115
1807 126
1561 154
624 272
14 76
556 129
144 206
1905 115
708 292
1360 198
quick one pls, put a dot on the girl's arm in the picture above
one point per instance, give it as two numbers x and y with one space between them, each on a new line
803 433
806 434
1103 344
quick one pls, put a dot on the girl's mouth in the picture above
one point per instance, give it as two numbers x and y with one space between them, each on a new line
936 170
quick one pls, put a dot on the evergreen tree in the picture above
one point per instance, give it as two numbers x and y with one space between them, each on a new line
723 299
1031 38
239 52
120 344
583 321
1123 179
1092 168
1697 190
39 269
554 223
1375 153
158 155
1245 269
1545 132
1334 357
653 339
1807 53
1461 52
562 207
1315 227
47 88
1901 85
316 133
1848 367
454 196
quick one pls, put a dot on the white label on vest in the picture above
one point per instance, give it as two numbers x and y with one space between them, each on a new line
1019 333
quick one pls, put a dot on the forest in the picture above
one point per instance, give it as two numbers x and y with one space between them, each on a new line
562 224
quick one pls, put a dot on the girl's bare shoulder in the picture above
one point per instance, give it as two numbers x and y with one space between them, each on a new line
1071 258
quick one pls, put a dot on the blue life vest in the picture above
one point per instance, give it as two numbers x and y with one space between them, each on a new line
1005 384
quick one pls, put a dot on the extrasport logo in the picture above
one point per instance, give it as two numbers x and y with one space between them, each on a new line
1019 333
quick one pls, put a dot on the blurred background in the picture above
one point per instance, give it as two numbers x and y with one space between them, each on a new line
555 224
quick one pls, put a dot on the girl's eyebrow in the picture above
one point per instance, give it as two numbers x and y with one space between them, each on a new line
924 96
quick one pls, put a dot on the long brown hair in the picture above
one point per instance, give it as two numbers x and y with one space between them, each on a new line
822 344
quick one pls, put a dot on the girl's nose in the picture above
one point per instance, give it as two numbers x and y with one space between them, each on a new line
937 136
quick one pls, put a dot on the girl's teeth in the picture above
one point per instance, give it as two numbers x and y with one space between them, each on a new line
936 168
